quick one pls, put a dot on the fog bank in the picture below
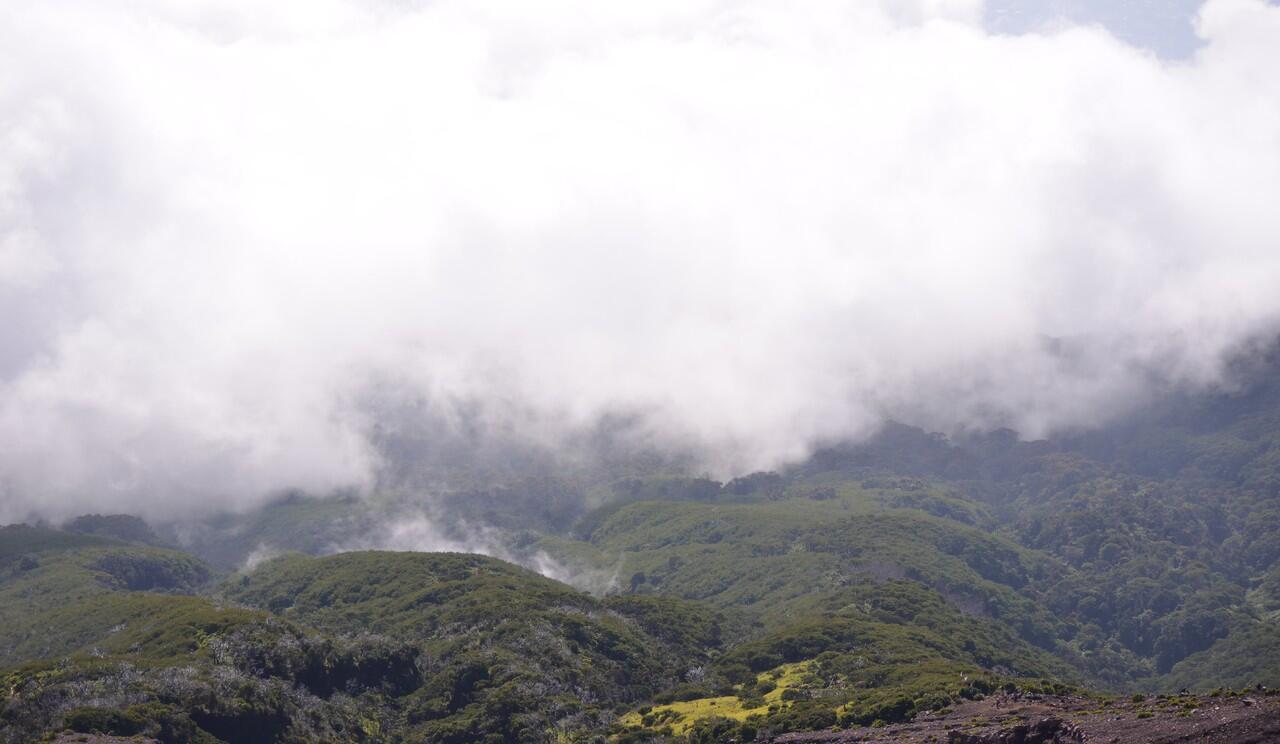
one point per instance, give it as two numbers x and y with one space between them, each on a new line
233 236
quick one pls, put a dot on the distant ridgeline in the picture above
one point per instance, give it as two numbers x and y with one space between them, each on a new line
866 585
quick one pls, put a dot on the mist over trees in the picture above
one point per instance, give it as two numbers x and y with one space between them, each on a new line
239 240
689 371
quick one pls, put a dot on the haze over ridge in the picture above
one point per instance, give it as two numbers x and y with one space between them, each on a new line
755 225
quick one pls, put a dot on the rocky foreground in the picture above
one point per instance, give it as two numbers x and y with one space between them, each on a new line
1232 718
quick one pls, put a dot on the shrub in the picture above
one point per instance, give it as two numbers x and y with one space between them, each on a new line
104 721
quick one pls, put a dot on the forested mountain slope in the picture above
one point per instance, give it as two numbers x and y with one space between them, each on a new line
869 584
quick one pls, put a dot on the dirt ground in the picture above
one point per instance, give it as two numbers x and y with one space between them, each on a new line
1252 718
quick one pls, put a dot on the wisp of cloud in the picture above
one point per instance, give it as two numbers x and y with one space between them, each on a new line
755 225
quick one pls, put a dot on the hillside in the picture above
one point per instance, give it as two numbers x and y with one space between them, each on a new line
354 647
872 585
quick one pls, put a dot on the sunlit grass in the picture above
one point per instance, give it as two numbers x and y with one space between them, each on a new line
682 716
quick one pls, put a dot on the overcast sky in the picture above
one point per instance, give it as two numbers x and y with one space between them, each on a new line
754 225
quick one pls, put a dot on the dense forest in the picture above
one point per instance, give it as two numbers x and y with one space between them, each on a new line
866 585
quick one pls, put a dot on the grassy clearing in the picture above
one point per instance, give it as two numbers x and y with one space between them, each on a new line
682 716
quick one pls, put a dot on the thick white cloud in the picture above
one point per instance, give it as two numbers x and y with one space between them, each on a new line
762 223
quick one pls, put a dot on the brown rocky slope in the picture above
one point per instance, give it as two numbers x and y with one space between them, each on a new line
1230 718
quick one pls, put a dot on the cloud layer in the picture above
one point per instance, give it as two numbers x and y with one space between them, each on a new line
757 224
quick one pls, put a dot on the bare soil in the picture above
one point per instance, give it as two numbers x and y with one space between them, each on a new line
1005 719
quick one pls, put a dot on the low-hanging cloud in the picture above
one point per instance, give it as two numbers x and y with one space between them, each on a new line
753 224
